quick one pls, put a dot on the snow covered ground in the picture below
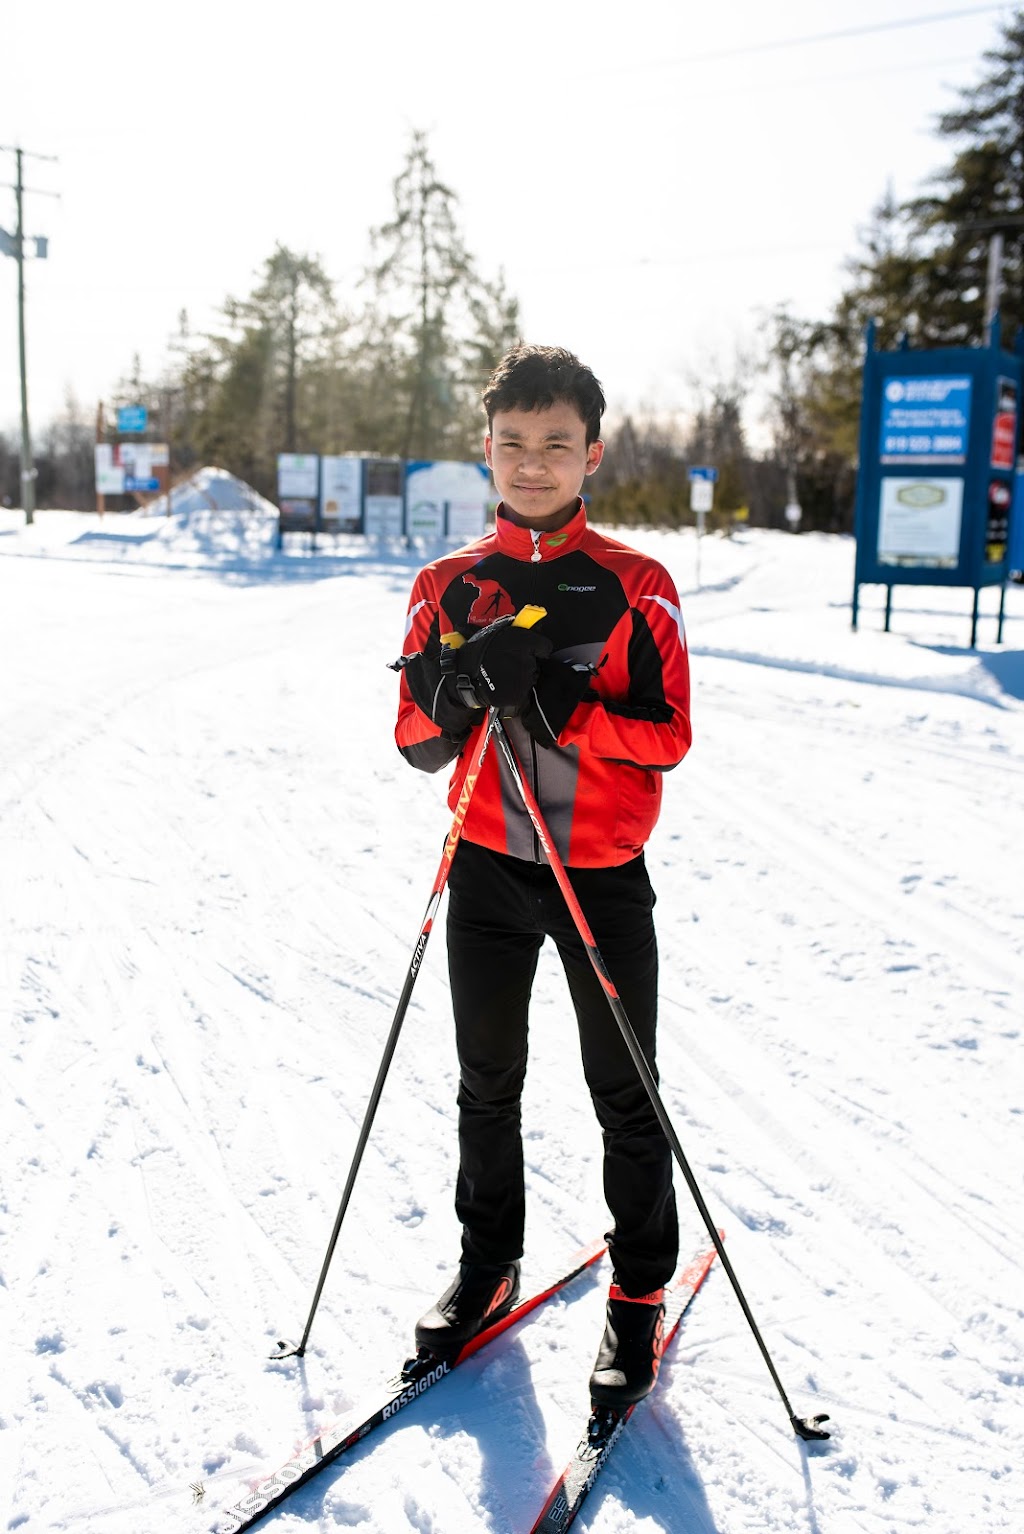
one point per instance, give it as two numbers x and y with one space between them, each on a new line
214 865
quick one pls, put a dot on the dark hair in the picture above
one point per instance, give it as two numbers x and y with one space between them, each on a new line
536 377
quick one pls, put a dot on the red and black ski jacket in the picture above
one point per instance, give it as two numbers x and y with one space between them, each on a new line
607 604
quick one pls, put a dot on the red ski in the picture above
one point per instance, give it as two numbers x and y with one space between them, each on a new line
418 1375
571 1489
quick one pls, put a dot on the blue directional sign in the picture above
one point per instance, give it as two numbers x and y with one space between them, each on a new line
704 472
132 418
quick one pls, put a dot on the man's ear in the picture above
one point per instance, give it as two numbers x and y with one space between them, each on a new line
487 451
595 452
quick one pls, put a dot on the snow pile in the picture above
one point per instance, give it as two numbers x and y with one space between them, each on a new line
215 520
214 516
210 490
214 867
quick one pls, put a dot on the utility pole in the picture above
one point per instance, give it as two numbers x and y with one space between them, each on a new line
28 472
994 279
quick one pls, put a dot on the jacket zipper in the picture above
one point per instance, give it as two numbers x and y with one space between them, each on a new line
535 557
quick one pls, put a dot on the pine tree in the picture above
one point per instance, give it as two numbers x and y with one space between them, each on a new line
250 385
920 273
979 196
290 369
433 329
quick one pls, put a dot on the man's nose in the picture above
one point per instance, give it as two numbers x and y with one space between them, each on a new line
532 461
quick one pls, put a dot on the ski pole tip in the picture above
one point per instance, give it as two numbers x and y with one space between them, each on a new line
287 1349
809 1428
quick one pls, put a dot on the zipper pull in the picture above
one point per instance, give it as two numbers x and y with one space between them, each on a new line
536 555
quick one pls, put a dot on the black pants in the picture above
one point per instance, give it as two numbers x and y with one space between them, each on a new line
500 910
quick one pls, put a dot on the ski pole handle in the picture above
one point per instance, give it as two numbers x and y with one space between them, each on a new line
525 618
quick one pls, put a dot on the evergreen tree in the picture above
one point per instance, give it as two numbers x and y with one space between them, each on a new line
979 196
717 439
293 371
642 479
920 273
433 329
249 387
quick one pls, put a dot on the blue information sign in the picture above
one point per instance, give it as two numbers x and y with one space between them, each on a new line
938 434
132 418
704 473
925 419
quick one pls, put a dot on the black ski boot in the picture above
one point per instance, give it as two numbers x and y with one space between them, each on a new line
630 1353
481 1295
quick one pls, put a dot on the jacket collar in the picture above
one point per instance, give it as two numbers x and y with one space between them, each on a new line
525 543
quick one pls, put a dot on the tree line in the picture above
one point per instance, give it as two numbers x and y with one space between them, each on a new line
398 366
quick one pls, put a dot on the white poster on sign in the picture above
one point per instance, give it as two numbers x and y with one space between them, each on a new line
109 475
341 493
466 520
140 459
424 518
919 522
298 475
702 495
383 516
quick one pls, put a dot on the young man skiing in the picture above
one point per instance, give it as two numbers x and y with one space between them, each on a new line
595 699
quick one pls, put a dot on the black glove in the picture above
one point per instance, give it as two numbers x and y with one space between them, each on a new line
497 667
558 689
431 680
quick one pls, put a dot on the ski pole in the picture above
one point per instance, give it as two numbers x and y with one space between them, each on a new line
286 1349
805 1427
525 618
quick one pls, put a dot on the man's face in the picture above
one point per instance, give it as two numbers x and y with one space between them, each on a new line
539 459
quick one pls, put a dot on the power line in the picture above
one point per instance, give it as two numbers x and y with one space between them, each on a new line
814 82
774 45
